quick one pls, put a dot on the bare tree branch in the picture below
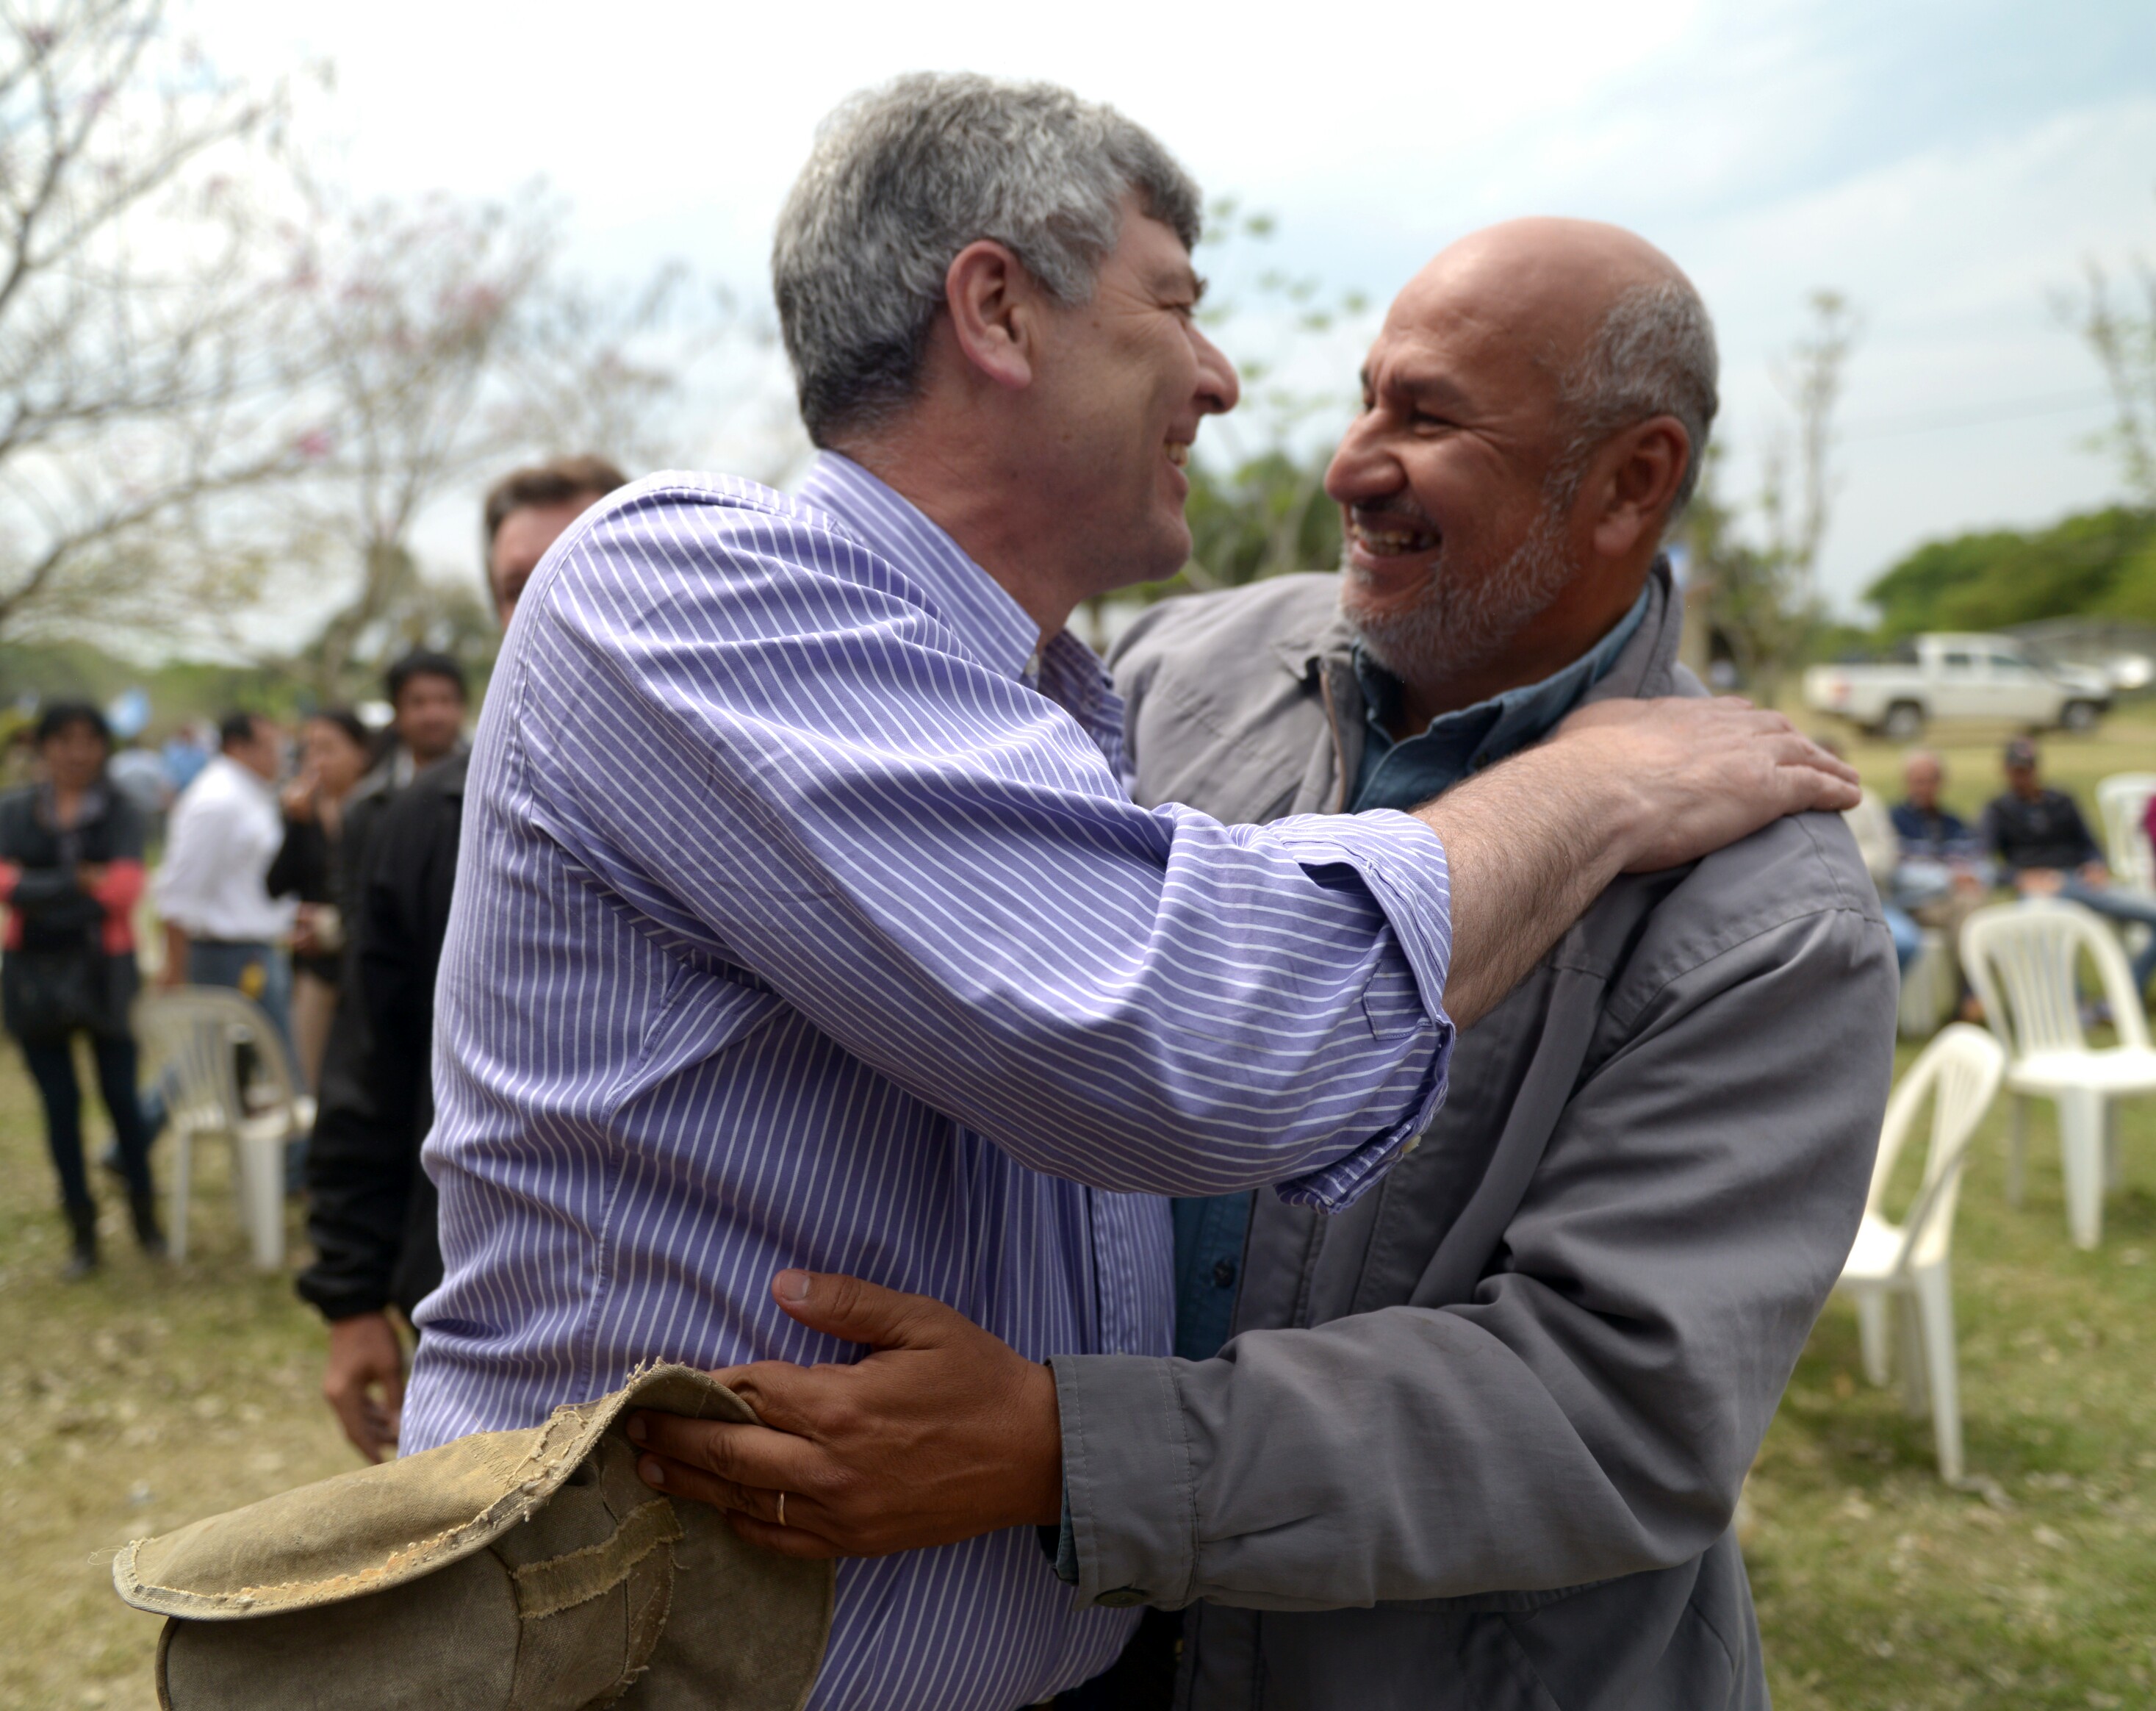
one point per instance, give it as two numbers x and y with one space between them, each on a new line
132 326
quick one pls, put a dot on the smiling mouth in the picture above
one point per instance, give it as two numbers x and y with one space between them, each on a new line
1383 537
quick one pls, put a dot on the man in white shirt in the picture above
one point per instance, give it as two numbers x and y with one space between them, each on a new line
222 927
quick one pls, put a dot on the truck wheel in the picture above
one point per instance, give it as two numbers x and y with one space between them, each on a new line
2080 714
1904 722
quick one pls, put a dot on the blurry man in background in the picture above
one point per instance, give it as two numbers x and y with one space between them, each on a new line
222 926
428 704
2039 837
1941 875
371 1209
1929 830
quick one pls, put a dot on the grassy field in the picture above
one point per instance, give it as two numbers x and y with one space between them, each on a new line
150 1396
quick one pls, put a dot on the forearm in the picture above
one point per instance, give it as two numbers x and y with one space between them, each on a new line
1592 1409
176 952
1400 1455
360 1164
1531 844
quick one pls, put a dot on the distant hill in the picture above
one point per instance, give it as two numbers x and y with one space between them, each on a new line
2098 564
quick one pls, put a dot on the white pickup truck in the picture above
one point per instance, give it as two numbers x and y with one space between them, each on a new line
1959 677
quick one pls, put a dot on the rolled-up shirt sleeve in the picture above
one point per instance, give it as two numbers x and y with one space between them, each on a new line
822 783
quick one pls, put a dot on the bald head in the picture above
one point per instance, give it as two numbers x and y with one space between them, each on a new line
1591 319
1546 286
1535 409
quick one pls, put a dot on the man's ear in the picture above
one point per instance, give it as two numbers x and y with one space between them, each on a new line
994 304
1634 481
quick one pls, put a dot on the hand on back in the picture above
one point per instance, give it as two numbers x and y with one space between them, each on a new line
1701 773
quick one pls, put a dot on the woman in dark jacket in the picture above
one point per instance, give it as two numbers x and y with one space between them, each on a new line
70 874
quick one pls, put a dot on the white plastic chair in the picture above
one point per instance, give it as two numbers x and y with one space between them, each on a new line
1907 1263
2121 801
2020 958
192 1034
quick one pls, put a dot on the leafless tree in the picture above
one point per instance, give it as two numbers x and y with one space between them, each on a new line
2123 340
1760 602
449 344
1796 503
136 374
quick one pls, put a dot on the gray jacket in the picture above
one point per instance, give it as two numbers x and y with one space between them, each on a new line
1477 1440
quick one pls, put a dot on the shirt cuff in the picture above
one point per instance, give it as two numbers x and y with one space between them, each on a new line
1130 1490
1060 1545
1402 864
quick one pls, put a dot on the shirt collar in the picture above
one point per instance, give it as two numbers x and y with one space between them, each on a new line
989 621
1469 738
987 618
246 779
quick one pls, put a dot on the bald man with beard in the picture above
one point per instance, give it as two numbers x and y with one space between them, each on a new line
1478 1440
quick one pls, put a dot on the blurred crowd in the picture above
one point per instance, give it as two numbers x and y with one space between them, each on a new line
1934 870
305 866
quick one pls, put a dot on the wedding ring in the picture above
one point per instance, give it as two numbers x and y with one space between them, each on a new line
782 1508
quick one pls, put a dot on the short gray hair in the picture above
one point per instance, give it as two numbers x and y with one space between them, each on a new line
904 177
1654 355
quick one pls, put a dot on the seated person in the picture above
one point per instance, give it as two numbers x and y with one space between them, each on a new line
1879 845
2040 839
1931 833
1942 877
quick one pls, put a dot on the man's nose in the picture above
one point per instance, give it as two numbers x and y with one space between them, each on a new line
1362 469
1219 387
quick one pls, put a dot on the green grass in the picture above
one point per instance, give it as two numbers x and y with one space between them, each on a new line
149 1396
128 1405
1879 1586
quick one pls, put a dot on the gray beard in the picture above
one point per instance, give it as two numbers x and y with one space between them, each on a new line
1463 624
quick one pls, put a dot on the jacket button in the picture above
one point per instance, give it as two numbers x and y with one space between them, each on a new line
1223 1273
1122 1598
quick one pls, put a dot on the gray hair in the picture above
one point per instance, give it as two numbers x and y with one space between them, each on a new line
1653 355
903 178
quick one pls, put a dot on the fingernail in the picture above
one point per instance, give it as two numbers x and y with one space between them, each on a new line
636 1429
790 1286
650 1472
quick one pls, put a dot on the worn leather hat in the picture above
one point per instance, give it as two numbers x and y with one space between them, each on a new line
507 1571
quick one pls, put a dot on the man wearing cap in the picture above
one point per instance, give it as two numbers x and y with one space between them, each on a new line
2038 837
805 916
1477 1439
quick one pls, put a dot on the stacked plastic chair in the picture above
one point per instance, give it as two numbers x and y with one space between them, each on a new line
1906 1266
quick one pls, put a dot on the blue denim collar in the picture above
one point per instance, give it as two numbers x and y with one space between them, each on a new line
1405 773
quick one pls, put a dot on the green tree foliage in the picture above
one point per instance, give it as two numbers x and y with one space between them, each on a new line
1752 600
2098 563
1258 506
1269 516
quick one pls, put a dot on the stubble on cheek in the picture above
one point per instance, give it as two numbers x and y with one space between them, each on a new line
1465 616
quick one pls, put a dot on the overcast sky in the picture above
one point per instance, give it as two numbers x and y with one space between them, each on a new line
1946 165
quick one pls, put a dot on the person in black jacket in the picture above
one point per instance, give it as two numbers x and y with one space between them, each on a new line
70 874
371 1207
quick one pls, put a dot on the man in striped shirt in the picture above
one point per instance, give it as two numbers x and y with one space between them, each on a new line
808 920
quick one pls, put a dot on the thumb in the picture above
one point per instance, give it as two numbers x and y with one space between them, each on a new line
858 1312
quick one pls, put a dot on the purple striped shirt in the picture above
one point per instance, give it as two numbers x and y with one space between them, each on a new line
804 919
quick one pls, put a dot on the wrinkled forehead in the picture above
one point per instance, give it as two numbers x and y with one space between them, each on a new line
1458 344
1504 304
